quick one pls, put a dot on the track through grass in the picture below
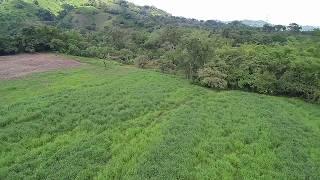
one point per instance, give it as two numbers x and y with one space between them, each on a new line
126 123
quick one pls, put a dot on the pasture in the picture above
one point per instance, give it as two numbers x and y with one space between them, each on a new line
126 123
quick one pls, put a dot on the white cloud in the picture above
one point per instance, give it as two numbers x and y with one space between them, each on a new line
304 12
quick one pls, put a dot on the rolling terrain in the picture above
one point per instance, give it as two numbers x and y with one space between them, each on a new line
105 89
121 122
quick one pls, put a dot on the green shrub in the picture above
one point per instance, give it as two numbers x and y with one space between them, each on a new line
58 45
210 76
8 45
74 50
167 66
265 82
141 61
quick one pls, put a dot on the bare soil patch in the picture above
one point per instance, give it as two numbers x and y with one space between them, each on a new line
24 64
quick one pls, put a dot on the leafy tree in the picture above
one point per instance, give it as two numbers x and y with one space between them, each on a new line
294 27
268 28
280 28
197 52
118 37
226 32
172 35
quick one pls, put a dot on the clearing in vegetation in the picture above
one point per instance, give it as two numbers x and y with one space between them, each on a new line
24 64
127 123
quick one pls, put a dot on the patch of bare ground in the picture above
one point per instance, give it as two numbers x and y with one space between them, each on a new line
16 66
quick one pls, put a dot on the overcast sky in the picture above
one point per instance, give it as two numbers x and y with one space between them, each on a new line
304 12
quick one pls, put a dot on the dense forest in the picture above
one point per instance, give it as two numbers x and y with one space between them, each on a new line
274 59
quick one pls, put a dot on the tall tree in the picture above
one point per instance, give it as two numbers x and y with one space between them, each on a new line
280 27
294 27
198 53
268 28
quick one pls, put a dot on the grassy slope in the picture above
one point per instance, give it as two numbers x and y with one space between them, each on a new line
56 5
134 124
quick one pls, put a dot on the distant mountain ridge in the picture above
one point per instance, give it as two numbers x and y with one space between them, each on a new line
254 23
261 23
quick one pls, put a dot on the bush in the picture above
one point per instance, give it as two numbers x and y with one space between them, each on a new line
141 61
167 66
57 45
210 76
74 50
8 45
126 56
265 83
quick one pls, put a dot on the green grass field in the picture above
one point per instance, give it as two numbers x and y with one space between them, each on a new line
127 123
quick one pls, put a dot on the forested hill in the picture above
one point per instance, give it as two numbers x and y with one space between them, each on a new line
18 13
88 15
273 59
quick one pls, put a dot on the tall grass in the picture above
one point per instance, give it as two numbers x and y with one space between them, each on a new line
126 123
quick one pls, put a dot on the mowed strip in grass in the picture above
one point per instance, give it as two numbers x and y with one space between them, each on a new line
126 123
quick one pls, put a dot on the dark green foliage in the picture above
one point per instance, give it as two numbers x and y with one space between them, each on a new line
20 5
37 39
57 45
66 9
8 45
117 37
45 15
268 28
270 71
280 27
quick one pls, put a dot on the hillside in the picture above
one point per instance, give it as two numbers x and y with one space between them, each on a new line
87 15
127 123
16 14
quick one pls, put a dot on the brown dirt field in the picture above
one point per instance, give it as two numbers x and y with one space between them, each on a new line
24 64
